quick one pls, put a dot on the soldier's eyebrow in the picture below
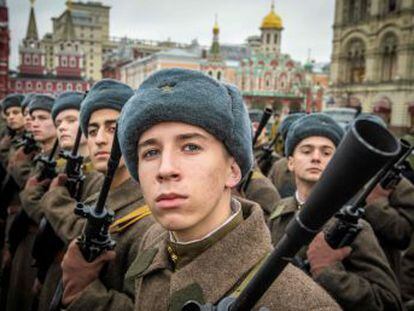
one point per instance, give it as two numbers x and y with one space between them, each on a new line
181 137
148 142
110 122
187 136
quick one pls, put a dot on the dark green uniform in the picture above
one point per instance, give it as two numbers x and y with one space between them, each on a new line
362 281
392 219
282 178
60 197
110 291
407 274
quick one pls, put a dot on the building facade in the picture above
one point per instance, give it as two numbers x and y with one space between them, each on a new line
33 73
4 48
373 58
91 28
270 78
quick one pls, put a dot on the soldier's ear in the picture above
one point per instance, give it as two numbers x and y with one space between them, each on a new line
235 174
291 164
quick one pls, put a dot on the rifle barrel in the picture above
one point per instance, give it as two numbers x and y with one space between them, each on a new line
77 142
267 113
54 148
113 163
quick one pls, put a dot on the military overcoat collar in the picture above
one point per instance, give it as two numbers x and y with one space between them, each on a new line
217 270
287 205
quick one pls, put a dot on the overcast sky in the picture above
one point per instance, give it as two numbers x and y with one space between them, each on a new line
307 24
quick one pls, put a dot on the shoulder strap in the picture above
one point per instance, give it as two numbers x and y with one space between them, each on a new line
249 276
124 222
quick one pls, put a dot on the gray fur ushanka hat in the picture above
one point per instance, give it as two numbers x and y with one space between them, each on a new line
288 121
105 94
12 100
67 100
41 102
315 124
26 101
179 95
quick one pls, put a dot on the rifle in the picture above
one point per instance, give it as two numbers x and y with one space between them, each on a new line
10 132
47 244
28 142
347 226
267 113
266 159
20 225
49 164
95 238
365 149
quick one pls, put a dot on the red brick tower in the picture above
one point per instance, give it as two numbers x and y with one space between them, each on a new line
32 55
4 48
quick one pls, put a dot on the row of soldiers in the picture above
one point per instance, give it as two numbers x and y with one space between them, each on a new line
191 215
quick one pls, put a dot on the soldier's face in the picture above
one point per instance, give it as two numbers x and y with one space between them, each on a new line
43 128
186 176
14 118
101 131
310 158
67 124
27 120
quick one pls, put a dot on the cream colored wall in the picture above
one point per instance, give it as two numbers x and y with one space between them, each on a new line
400 91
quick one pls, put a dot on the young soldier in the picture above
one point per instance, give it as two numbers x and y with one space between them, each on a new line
23 274
65 114
20 163
279 174
99 113
173 140
357 276
12 111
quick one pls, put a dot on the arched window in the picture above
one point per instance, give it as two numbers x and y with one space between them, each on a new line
392 6
355 61
389 57
268 38
219 75
275 38
356 10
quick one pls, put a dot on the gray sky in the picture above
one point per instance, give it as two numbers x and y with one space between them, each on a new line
308 24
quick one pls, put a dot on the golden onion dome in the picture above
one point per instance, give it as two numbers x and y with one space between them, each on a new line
272 20
216 28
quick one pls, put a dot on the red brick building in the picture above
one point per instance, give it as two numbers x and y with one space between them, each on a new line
32 75
4 48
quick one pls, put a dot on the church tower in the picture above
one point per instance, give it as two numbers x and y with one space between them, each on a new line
32 56
271 29
214 54
68 54
4 48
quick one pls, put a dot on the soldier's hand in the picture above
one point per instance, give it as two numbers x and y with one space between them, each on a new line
34 182
6 257
77 273
377 193
321 255
20 156
58 181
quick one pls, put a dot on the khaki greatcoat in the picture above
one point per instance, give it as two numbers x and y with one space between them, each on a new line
218 270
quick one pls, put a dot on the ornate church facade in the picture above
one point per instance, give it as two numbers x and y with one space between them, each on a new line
373 58
269 77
